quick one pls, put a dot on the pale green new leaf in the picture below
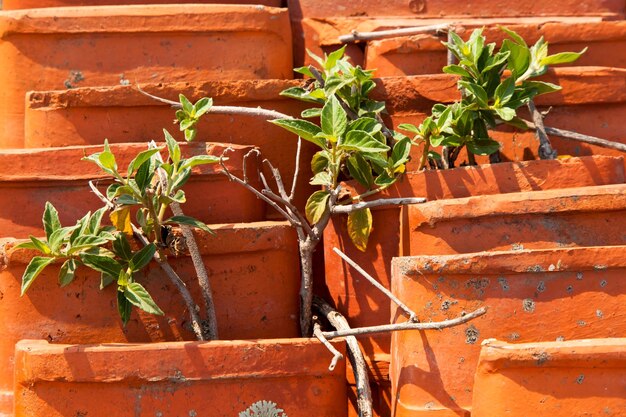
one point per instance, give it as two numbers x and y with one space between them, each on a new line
562 58
334 118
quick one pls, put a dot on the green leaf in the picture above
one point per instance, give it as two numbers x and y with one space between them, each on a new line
95 220
190 134
187 106
333 57
316 58
304 71
189 221
322 178
179 197
143 257
66 274
126 200
505 113
409 128
144 176
334 118
305 129
121 247
335 83
366 124
320 161
477 91
384 180
401 151
40 245
505 90
310 113
360 170
519 58
34 268
358 140
140 159
124 307
562 58
518 123
457 70
101 263
541 87
138 296
57 238
316 206
173 147
106 280
50 219
26 245
513 35
106 159
199 160
202 106
483 146
360 227
112 190
181 178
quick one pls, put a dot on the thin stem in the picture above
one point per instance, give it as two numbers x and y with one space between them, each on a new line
345 209
387 328
424 158
412 316
337 356
355 356
236 110
545 148
296 171
165 266
382 34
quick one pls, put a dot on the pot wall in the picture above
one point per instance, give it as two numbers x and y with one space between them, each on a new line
361 303
254 273
588 216
65 48
178 378
556 379
531 296
32 4
32 177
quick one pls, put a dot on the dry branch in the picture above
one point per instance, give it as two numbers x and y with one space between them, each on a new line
349 208
392 33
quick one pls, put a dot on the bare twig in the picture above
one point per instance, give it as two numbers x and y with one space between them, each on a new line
211 331
349 208
392 33
337 356
236 110
592 140
412 316
387 328
545 148
165 266
355 356
296 171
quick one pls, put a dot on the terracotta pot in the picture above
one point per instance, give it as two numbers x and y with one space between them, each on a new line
532 296
182 379
70 47
32 177
555 379
36 4
587 216
360 302
254 274
425 54
122 114
450 8
380 387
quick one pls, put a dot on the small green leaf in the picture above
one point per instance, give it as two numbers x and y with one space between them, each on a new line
316 206
101 263
519 58
190 134
138 296
202 106
124 307
304 71
305 129
385 180
199 160
513 35
457 70
95 220
310 113
334 118
505 113
321 178
181 178
140 159
106 280
505 90
409 128
26 245
358 140
40 245
57 238
360 227
121 247
172 147
143 257
366 124
541 87
50 219
66 274
401 151
320 161
300 93
562 58
477 91
360 170
33 269
187 106
189 221
333 57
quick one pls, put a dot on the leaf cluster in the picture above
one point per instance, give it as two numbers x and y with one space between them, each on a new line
189 115
490 94
149 185
350 135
